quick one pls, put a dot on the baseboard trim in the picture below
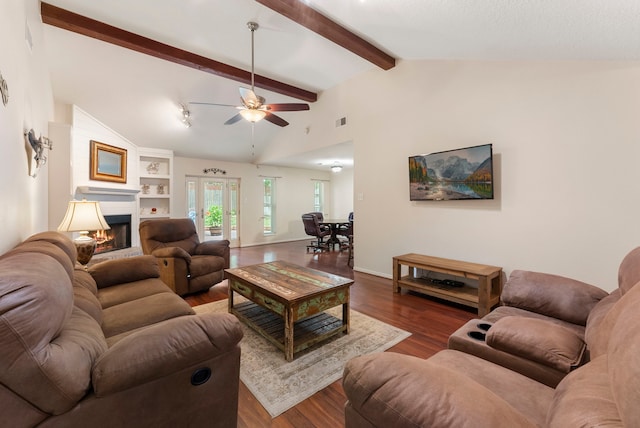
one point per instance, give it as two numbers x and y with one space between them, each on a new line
255 244
372 272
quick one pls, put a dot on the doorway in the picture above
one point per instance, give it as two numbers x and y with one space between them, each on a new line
213 205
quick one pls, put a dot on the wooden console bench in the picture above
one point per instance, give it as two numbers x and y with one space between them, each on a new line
484 297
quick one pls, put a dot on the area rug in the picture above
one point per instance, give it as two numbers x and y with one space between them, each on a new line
280 385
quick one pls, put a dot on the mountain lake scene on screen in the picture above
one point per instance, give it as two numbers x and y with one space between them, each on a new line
454 174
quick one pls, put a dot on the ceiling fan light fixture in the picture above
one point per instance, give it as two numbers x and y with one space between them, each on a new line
253 115
336 167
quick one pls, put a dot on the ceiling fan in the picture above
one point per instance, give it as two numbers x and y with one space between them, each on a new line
253 106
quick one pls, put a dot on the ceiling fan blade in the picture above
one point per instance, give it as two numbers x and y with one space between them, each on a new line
276 120
233 120
250 99
287 107
211 104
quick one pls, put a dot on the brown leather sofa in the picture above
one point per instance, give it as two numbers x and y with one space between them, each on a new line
597 362
186 264
111 347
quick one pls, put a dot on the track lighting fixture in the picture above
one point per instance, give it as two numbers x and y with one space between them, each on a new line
186 116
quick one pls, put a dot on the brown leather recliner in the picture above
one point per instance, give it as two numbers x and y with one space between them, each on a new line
186 264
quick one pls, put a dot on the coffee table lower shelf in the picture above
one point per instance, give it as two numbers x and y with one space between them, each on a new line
306 332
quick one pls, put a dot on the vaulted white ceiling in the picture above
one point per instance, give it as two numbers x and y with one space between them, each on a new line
138 95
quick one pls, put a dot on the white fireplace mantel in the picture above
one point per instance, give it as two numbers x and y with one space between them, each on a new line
106 191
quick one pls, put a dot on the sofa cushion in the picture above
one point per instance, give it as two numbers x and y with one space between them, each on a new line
122 293
394 390
552 295
508 311
142 312
84 294
119 271
59 240
537 340
48 248
584 399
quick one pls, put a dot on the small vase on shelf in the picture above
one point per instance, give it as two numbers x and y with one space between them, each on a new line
153 167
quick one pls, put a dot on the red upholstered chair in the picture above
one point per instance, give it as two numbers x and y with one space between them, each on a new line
186 264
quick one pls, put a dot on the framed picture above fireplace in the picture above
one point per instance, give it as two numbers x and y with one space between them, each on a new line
108 163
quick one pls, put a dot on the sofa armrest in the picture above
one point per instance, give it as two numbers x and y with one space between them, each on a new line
121 271
213 248
393 390
165 348
166 252
537 340
216 248
551 295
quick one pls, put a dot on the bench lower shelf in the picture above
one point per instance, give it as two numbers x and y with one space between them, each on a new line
306 332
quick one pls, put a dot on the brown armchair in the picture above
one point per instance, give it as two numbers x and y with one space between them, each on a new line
186 264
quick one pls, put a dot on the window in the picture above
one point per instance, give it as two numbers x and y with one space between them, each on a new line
269 202
318 196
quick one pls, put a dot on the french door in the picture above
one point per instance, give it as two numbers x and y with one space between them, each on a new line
213 205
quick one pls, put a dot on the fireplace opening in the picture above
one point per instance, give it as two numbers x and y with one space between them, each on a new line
116 238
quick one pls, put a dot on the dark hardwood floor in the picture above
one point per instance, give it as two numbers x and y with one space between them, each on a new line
430 321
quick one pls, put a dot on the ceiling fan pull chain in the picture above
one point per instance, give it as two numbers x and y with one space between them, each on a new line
253 145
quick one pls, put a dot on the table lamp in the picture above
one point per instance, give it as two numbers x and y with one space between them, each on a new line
83 216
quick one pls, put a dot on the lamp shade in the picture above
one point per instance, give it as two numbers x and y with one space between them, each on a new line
252 114
83 216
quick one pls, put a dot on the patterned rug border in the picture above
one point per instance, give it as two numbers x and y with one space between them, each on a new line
279 385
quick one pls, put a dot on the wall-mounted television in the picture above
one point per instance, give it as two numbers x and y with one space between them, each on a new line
465 173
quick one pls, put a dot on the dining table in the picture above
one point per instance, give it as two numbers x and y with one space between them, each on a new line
335 224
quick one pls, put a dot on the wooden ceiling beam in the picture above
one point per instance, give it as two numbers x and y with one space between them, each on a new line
308 17
71 21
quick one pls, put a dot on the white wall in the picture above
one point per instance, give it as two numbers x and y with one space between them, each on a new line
24 208
342 193
566 139
294 196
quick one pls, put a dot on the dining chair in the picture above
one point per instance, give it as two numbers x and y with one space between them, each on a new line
312 227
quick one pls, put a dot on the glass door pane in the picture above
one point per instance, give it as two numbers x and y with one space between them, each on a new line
192 202
213 192
234 210
213 205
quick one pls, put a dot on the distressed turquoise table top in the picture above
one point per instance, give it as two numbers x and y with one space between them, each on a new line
287 280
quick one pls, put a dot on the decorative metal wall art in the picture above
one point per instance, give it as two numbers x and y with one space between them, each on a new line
4 90
37 146
214 170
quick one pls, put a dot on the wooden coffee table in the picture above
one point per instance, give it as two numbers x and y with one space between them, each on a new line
286 303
